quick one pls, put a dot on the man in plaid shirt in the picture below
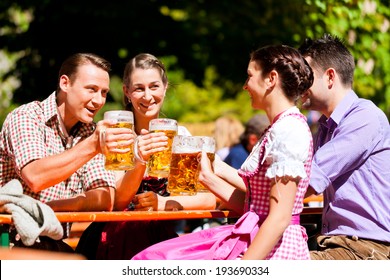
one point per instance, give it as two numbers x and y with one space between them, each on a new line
53 146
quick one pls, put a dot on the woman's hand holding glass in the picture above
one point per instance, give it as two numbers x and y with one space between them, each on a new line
149 143
206 167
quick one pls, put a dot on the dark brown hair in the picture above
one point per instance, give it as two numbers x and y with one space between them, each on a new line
330 52
296 74
70 66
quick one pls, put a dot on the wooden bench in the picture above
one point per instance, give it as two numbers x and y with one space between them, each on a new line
76 231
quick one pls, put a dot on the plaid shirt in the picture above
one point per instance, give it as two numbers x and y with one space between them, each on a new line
33 131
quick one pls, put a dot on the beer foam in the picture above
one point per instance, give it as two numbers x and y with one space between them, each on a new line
119 116
186 144
159 126
163 124
185 150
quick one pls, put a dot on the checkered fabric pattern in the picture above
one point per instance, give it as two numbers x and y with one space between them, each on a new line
31 132
293 244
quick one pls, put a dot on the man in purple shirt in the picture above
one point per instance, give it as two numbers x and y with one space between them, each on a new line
350 165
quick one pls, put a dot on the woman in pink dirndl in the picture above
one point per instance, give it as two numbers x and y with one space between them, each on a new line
270 185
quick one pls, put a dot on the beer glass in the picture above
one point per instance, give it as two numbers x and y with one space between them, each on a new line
158 164
119 161
209 147
183 175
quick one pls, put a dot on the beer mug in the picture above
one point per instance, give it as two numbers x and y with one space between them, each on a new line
118 161
209 147
158 164
183 175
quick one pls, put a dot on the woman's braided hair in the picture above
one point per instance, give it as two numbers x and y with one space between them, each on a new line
296 74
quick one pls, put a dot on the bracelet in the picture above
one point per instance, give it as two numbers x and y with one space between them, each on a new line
140 160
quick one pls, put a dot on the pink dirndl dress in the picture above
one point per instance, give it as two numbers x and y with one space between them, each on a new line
231 241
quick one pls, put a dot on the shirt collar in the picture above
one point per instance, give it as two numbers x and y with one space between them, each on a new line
50 107
50 111
344 106
339 112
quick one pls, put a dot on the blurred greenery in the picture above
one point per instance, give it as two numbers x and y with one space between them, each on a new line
204 44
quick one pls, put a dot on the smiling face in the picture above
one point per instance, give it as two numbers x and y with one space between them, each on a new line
256 85
84 94
146 91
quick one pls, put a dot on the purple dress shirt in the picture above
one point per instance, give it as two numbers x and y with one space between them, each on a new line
351 168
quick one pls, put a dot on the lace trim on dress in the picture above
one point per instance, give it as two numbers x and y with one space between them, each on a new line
263 149
291 169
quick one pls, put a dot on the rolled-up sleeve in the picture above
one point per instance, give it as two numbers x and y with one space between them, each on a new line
26 139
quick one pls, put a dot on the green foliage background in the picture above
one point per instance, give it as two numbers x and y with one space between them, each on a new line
204 44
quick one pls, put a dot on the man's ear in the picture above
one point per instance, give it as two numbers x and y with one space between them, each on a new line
64 83
331 76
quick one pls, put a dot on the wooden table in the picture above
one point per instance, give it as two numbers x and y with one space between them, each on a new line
133 215
74 217
147 215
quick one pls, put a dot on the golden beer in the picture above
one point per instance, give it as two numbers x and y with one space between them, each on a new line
120 161
159 163
209 147
183 176
199 186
